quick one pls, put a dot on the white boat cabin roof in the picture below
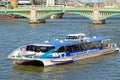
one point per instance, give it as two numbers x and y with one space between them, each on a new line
80 34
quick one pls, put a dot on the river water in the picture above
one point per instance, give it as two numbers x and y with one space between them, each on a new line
15 33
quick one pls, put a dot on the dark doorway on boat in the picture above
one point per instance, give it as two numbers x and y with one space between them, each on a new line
33 63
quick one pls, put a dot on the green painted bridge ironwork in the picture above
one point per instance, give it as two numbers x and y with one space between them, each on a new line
36 15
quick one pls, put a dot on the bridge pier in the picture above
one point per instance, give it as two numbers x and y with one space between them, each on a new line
98 21
33 17
38 21
97 15
56 16
41 21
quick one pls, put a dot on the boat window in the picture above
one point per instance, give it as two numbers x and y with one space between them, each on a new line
39 48
70 48
73 48
78 47
71 37
61 49
106 42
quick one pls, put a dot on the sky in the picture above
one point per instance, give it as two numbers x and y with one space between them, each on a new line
118 0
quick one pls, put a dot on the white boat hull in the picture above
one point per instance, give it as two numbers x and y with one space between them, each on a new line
57 61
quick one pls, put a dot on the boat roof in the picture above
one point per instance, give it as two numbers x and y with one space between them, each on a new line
59 43
80 34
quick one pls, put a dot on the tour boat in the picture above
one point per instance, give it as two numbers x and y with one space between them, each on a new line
73 48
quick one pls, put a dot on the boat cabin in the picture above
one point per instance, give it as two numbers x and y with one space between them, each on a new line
75 36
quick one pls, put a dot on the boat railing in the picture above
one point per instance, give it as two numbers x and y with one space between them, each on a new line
17 52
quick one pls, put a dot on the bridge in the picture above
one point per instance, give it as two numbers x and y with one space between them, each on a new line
39 15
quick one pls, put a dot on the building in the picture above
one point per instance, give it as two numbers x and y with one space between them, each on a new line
24 2
59 2
14 3
111 4
4 4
